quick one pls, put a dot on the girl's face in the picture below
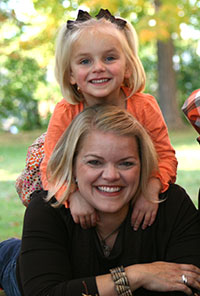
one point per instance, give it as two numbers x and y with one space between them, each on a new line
98 66
107 169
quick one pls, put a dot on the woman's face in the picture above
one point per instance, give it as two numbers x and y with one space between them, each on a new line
107 169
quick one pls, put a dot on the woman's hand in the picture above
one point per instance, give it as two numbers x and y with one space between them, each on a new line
81 211
164 277
145 210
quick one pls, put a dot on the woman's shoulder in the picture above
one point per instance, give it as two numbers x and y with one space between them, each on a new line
42 209
176 201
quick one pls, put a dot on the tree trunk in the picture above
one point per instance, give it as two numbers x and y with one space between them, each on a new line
167 81
167 84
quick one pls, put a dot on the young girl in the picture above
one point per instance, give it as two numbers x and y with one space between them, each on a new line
97 63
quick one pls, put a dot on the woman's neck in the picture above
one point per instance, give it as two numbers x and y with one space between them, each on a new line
108 227
109 222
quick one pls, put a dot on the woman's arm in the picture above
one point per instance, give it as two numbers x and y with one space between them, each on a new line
176 235
45 263
158 276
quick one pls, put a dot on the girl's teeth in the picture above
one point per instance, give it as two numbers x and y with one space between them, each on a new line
109 189
99 80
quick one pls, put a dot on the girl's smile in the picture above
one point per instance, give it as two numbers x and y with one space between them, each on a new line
98 66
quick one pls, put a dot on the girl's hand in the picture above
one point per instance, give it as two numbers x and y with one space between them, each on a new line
82 212
146 209
164 277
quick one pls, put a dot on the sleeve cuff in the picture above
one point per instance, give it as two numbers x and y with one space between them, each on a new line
85 286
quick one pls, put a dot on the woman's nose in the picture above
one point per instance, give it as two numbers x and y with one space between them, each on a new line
110 173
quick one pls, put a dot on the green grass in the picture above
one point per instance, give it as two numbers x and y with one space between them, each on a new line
13 149
188 155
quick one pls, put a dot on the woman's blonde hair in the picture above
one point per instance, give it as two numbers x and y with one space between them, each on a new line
129 43
108 119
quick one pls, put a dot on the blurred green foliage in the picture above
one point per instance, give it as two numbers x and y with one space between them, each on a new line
27 50
18 86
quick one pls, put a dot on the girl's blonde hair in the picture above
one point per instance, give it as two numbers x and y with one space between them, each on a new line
129 43
108 119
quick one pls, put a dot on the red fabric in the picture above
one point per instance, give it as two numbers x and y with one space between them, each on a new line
191 109
29 180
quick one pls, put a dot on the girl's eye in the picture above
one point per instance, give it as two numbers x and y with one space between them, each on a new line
110 59
94 162
85 62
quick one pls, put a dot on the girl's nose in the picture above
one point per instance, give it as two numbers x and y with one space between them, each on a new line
110 173
98 66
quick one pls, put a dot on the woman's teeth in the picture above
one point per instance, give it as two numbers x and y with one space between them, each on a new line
109 189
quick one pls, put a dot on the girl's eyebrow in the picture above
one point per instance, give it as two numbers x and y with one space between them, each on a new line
83 54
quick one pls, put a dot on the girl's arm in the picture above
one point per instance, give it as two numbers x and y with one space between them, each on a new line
146 109
82 212
146 207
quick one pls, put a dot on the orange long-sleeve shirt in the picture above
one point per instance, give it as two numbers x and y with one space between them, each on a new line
144 108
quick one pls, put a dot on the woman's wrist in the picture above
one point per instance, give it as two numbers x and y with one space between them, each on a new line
121 282
135 276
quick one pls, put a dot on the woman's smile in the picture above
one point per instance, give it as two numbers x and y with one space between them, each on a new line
109 189
107 169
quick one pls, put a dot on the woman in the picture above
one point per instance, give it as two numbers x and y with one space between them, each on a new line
109 156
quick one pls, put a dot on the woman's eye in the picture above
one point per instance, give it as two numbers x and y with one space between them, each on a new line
126 164
94 162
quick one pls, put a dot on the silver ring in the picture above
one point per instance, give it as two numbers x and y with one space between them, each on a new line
184 279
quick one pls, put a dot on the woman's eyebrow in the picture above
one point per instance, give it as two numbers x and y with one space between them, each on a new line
92 155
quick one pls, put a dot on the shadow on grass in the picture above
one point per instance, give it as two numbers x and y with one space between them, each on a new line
11 211
191 178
